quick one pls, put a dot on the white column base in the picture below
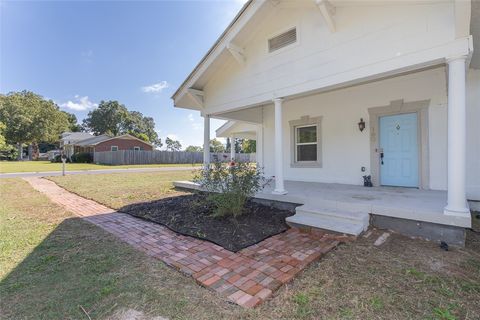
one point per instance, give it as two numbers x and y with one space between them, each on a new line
279 192
458 212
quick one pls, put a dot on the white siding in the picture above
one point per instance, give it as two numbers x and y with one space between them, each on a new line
346 149
473 135
365 36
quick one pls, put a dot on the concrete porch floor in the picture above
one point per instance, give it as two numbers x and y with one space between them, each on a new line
404 203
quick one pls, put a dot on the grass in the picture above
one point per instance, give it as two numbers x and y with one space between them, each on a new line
45 166
120 189
52 264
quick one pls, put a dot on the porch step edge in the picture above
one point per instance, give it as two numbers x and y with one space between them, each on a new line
357 217
326 223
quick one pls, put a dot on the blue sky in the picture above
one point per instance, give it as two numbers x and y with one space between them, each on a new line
80 52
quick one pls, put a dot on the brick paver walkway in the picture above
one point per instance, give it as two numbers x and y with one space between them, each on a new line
247 277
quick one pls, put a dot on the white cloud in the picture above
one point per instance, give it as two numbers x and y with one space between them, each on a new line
195 125
87 53
79 104
156 87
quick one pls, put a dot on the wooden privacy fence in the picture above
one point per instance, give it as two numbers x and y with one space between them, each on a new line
122 157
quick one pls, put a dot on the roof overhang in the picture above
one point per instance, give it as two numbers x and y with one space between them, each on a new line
237 129
190 94
225 43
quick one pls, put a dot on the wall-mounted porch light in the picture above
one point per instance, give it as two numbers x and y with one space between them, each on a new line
361 125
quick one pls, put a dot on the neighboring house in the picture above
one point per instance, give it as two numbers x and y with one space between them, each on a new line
123 142
69 139
341 89
92 144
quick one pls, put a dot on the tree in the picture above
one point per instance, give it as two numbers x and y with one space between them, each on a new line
108 118
113 118
29 118
194 149
7 151
72 122
238 145
173 145
216 146
228 145
249 146
136 124
3 142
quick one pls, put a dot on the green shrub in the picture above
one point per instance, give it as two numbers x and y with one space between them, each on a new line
58 159
82 157
8 152
230 185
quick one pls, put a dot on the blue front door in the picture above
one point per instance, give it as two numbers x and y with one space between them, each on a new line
398 141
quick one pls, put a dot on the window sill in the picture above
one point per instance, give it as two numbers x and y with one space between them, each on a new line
306 165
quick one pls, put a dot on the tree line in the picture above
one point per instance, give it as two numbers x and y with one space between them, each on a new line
27 118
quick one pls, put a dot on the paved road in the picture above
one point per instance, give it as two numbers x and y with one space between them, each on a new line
100 171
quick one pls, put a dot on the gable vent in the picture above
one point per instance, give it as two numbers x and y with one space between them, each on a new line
282 40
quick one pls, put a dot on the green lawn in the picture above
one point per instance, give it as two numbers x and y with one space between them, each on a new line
44 166
52 263
119 189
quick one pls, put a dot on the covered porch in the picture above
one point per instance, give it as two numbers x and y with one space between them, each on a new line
344 153
395 202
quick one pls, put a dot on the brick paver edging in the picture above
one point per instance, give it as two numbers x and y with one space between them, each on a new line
247 277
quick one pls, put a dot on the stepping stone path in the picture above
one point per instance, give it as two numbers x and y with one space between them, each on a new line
247 277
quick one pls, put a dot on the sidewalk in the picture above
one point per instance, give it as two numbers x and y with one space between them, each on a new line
247 277
99 171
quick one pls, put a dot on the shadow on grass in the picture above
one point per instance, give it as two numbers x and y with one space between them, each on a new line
78 264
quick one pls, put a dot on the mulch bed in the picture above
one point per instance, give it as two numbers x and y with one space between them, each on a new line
191 215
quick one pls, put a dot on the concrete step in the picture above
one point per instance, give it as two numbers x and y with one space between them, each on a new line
187 185
326 223
332 219
343 215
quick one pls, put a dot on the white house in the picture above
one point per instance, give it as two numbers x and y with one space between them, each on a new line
305 76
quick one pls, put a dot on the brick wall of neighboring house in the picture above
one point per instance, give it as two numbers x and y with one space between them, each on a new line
122 144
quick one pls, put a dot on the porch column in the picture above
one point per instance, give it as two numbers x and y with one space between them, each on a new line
232 147
457 202
279 188
206 140
259 146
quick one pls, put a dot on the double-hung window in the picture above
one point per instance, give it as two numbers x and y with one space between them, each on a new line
306 149
306 143
114 148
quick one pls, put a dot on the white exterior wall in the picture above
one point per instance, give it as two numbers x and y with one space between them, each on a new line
345 149
473 134
368 40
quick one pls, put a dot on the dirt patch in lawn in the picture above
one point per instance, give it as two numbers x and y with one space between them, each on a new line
192 215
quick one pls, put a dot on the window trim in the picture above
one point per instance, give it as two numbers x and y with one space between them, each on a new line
111 148
305 121
136 148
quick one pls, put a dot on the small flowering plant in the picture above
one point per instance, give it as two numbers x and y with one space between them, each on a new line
230 185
